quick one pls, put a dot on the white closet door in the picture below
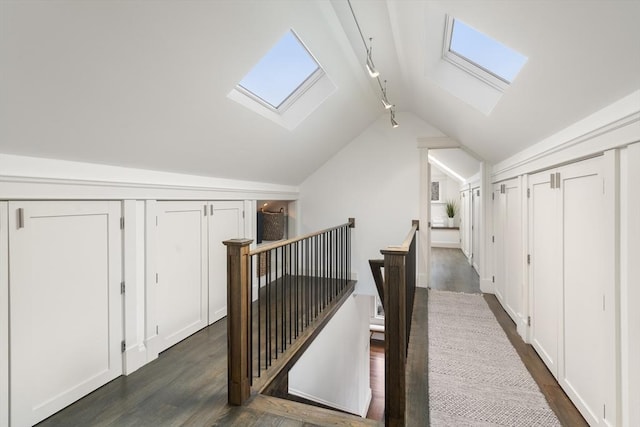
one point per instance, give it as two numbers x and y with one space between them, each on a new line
467 223
499 218
463 223
475 227
225 222
513 267
4 314
582 205
545 273
182 270
66 307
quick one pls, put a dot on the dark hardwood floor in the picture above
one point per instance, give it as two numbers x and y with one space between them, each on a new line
187 386
558 400
450 271
376 369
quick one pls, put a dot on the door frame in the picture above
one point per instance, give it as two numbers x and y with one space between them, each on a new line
4 314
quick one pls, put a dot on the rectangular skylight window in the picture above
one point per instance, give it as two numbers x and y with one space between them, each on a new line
285 71
482 56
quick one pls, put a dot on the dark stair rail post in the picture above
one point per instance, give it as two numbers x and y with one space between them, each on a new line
394 335
398 285
238 320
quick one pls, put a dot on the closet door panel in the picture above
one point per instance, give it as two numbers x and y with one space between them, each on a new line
475 228
584 277
225 222
65 303
499 244
182 270
513 249
545 280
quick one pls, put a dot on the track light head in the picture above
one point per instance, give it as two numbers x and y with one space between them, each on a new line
394 124
385 100
371 68
369 63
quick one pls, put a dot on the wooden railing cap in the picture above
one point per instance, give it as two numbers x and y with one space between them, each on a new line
238 242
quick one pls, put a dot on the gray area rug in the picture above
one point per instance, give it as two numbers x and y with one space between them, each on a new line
476 378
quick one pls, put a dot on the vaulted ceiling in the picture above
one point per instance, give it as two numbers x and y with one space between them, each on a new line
144 84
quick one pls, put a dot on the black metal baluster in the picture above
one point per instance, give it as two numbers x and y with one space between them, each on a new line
259 312
250 358
267 263
276 286
289 248
321 273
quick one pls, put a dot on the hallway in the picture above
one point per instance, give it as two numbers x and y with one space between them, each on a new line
450 271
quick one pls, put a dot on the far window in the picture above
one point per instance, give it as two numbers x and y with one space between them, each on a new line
286 71
481 55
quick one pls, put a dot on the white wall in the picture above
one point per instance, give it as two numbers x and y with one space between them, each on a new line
451 188
37 178
4 316
630 284
374 179
334 370
613 131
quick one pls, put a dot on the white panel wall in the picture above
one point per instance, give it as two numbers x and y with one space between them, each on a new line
630 285
607 132
4 316
451 191
65 303
508 253
134 274
334 370
374 179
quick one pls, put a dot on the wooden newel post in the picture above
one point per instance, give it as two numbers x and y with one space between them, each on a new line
395 331
238 320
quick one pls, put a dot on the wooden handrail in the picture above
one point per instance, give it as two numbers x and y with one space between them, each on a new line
351 223
404 247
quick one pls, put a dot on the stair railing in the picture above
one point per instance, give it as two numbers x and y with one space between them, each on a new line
397 291
295 280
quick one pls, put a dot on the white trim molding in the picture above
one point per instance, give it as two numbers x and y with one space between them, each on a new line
4 315
37 178
612 127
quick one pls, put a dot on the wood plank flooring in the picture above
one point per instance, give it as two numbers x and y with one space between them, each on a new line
559 402
187 386
450 271
376 369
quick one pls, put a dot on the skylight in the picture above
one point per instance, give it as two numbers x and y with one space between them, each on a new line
481 55
287 70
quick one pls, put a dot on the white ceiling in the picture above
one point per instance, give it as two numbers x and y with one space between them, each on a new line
457 160
583 55
144 84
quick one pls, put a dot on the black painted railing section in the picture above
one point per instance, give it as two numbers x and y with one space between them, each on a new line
287 286
398 286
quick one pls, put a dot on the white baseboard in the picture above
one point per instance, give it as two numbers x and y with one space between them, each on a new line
135 357
423 280
152 345
328 403
367 403
445 245
487 286
523 329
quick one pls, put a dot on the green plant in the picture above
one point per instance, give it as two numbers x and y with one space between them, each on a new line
452 208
